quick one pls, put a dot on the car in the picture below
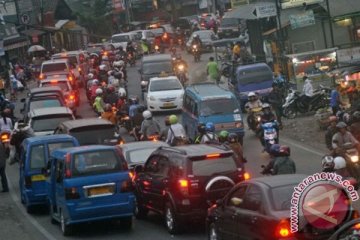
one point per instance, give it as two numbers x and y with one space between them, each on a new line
124 38
88 184
259 209
182 182
145 34
34 157
44 121
206 37
153 66
71 93
90 131
184 24
52 67
229 28
164 94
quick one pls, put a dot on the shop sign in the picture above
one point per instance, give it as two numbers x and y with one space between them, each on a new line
302 20
348 55
297 3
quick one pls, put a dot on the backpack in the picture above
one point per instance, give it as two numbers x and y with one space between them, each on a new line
153 129
211 139
178 140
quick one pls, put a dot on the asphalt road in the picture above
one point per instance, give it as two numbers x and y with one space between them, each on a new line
307 161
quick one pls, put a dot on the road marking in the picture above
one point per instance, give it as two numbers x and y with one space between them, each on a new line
285 139
32 220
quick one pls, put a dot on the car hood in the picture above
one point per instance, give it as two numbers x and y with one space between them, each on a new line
167 94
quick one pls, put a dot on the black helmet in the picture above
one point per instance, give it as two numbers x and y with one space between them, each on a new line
201 128
233 138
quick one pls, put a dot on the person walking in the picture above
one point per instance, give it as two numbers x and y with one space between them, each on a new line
3 156
212 70
335 100
308 90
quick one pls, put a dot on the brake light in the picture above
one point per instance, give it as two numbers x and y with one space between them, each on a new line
131 175
283 229
213 155
68 166
184 186
42 76
71 193
165 35
5 138
247 176
79 69
28 182
70 78
54 81
71 97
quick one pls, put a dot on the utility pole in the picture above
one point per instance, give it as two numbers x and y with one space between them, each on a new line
330 24
42 12
280 36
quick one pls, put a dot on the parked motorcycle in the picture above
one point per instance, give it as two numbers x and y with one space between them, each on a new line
270 134
294 103
196 52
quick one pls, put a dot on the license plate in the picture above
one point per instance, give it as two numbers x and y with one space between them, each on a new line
168 104
37 178
100 191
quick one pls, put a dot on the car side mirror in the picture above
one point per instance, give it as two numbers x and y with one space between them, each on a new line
138 169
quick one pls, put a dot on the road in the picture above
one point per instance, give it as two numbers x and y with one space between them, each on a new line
39 227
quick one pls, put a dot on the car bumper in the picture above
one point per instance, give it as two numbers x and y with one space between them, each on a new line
39 198
159 106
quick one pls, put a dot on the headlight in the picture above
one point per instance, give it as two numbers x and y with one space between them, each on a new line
144 83
181 67
152 98
258 118
354 159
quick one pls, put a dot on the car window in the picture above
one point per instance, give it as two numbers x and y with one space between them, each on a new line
93 135
252 199
163 168
152 166
71 59
59 170
238 193
219 107
157 67
37 157
63 85
139 155
281 197
165 85
229 22
150 35
96 162
208 167
54 67
59 145
49 123
121 38
45 104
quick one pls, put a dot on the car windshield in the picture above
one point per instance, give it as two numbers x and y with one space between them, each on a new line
71 59
229 22
281 197
45 103
58 145
49 123
120 38
218 106
92 135
208 167
165 85
139 156
157 67
37 157
95 162
254 75
54 67
63 85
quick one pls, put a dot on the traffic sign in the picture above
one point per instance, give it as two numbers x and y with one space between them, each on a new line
265 10
25 18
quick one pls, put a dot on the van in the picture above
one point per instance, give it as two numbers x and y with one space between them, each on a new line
207 102
34 156
124 38
87 184
256 77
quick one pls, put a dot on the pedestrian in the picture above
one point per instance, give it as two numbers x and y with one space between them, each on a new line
276 100
335 100
5 120
13 87
212 70
2 85
308 90
3 156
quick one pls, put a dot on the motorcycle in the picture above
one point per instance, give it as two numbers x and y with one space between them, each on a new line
255 117
196 52
181 43
131 59
180 71
294 103
351 155
124 121
270 134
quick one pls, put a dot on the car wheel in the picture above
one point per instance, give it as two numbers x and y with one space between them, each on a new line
126 223
140 211
171 221
213 233
65 229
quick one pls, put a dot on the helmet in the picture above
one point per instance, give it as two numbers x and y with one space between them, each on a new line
265 105
134 99
252 96
334 118
173 119
341 125
284 150
110 73
122 92
95 82
210 127
99 91
7 112
356 115
105 58
233 138
223 134
201 128
327 162
275 149
102 67
339 163
196 36
178 28
147 114
111 89
90 76
107 107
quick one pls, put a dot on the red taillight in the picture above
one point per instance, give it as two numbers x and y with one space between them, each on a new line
28 182
70 78
79 69
71 97
5 138
356 216
247 176
184 186
42 76
71 193
283 229
213 155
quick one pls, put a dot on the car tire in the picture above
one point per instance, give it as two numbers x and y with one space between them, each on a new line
140 211
171 220
65 228
213 233
126 223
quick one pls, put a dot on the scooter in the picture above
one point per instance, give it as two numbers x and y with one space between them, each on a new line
196 52
270 135
181 73
254 118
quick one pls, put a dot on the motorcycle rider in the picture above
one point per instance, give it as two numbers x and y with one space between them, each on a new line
223 137
276 97
144 46
130 49
266 116
99 104
103 73
6 123
197 41
150 128
209 136
342 137
308 91
330 132
133 107
235 146
176 134
253 102
355 125
164 131
109 114
281 162
111 96
201 132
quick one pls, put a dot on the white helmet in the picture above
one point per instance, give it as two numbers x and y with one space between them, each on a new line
90 76
122 92
99 91
251 94
95 82
339 163
109 73
147 114
102 67
119 63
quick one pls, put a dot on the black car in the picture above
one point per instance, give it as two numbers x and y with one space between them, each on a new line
182 182
260 209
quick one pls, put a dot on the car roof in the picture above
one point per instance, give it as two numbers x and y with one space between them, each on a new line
45 89
206 91
61 60
163 78
72 53
157 58
78 123
143 144
255 65
279 180
202 149
52 138
197 32
38 112
60 153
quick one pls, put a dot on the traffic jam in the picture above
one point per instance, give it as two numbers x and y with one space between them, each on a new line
172 130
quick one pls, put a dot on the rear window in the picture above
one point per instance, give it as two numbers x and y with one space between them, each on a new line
59 145
254 75
121 38
63 85
49 123
54 67
94 163
229 22
71 59
139 155
91 135
37 157
208 167
219 106
157 67
281 197
45 104
165 85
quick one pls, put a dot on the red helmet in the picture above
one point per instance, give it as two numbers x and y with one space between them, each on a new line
284 150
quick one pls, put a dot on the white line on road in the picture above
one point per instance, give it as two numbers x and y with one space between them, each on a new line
32 220
285 139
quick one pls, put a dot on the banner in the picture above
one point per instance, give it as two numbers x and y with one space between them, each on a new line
302 20
237 3
297 3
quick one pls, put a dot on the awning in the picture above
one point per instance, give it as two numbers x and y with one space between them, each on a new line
18 42
32 32
297 55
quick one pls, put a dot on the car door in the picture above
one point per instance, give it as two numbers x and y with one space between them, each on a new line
145 181
59 184
226 222
160 181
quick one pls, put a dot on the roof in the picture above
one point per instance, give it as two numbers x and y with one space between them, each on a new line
38 112
255 65
157 57
143 144
49 138
45 89
226 41
60 153
280 180
202 149
204 90
163 78
344 7
78 123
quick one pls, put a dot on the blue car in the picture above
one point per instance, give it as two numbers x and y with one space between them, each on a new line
35 154
89 183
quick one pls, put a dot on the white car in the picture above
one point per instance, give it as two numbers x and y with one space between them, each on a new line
164 94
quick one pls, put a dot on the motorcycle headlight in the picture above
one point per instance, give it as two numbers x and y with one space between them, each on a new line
258 118
354 159
181 67
144 83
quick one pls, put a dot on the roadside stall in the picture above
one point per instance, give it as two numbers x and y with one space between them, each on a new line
37 53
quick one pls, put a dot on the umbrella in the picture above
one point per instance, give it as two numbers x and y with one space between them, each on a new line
36 48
